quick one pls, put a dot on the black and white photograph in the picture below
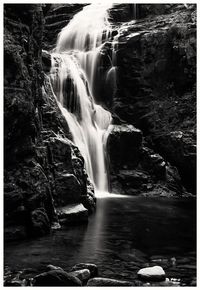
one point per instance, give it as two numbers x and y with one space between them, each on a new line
99 144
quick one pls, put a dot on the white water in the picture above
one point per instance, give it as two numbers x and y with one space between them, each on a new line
74 74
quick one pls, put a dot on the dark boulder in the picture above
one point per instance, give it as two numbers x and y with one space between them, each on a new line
134 181
56 278
68 188
72 214
124 145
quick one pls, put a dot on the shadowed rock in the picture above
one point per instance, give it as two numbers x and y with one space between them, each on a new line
56 278
73 214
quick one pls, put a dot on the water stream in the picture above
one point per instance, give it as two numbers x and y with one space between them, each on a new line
75 76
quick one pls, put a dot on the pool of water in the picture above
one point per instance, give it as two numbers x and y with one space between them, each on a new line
122 236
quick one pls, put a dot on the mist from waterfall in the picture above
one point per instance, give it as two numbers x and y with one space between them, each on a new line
74 75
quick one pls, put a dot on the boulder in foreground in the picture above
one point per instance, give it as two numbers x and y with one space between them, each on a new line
56 278
155 273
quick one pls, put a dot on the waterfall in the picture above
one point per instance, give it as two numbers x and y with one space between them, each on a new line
74 76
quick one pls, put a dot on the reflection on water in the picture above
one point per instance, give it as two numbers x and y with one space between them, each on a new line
123 235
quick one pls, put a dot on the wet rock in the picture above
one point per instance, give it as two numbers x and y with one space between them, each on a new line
180 149
70 178
124 143
52 267
122 12
56 278
73 214
91 267
83 275
133 178
155 273
157 83
40 224
46 60
153 163
89 200
68 188
56 17
102 282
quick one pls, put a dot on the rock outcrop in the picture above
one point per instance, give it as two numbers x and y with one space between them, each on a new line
43 168
156 68
136 169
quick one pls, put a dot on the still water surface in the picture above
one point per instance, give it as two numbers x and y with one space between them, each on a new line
124 235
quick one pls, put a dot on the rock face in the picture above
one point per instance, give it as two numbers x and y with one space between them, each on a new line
136 169
56 17
156 66
43 168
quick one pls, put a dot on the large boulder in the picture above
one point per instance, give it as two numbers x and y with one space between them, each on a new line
68 189
56 278
124 145
155 273
72 214
134 181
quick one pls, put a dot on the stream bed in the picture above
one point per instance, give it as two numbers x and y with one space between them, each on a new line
124 235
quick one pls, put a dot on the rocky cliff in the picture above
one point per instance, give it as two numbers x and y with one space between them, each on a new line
156 62
43 168
156 93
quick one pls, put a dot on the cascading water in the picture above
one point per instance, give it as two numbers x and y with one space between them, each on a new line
74 75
